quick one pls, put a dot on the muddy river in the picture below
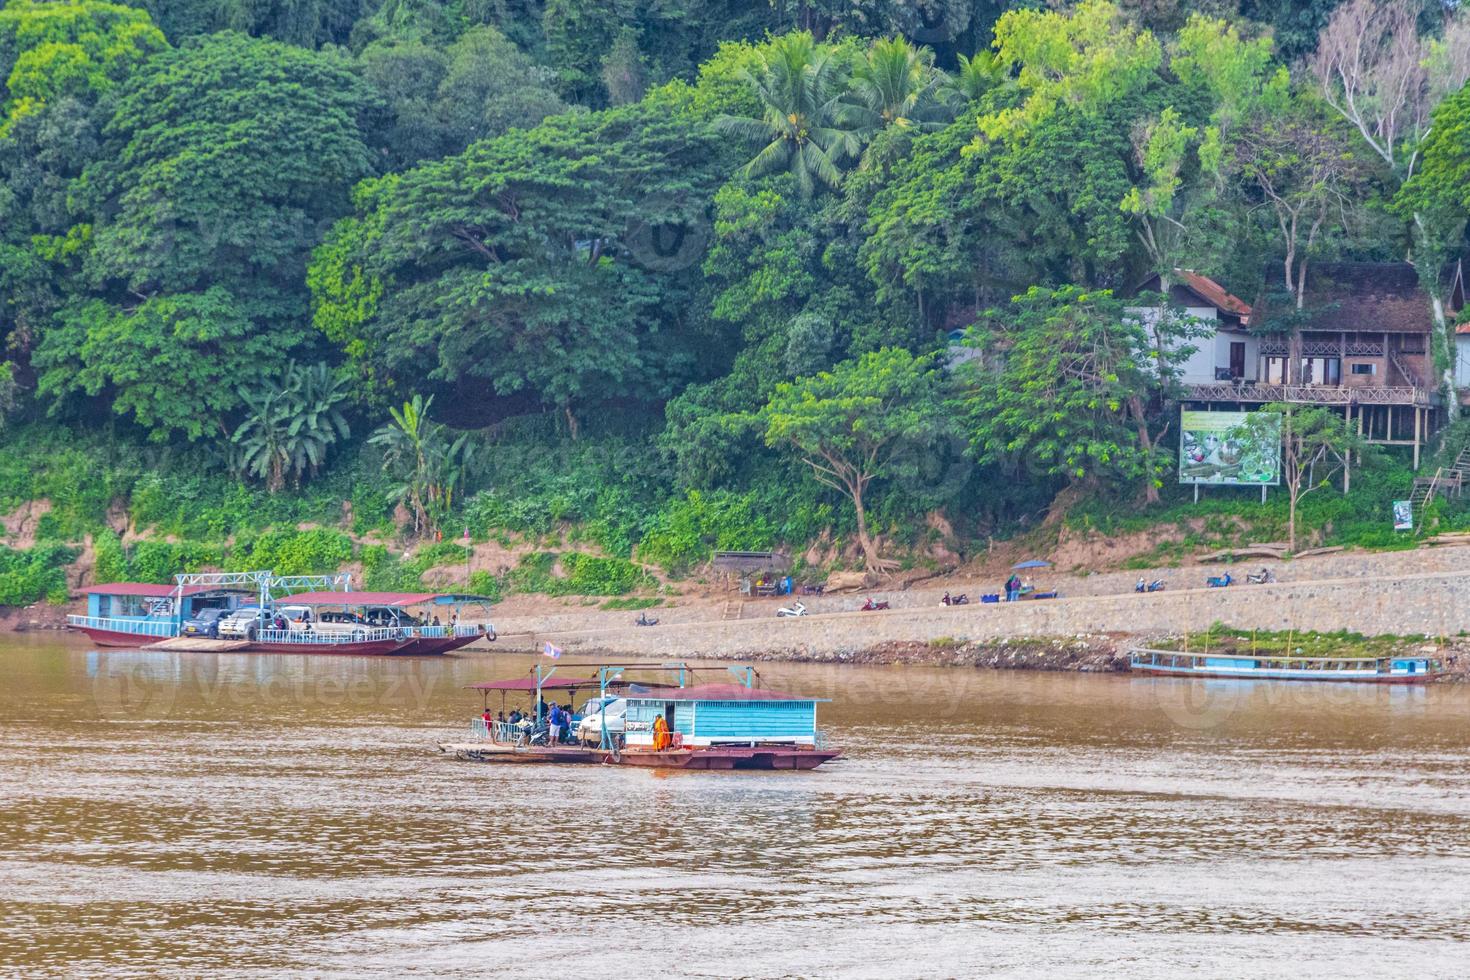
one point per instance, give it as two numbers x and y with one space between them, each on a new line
239 815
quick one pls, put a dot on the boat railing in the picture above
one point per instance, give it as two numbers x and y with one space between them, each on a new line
140 627
1266 660
508 734
314 637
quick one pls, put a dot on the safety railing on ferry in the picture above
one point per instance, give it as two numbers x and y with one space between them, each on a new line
139 627
360 634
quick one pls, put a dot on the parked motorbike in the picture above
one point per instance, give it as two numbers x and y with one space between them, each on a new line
1157 585
1264 577
1219 581
795 609
644 620
871 605
954 600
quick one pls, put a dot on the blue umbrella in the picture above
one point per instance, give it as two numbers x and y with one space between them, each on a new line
1033 563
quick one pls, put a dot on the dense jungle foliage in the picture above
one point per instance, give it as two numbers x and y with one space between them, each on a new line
669 277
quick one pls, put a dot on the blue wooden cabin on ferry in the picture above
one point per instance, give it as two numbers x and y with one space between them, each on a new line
722 714
122 612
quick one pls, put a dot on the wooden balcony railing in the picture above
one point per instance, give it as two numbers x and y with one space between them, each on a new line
1227 391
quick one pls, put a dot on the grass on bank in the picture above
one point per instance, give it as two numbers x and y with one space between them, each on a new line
1291 643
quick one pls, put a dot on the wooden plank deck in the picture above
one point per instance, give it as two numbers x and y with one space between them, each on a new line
198 644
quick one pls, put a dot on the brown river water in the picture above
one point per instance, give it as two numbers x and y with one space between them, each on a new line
237 815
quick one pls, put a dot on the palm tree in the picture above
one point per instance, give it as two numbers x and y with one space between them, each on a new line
976 76
801 86
896 84
290 425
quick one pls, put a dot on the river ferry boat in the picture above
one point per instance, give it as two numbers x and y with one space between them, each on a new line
708 726
422 623
266 613
133 614
1401 669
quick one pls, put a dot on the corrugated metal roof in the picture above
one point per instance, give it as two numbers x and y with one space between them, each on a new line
151 590
374 598
720 692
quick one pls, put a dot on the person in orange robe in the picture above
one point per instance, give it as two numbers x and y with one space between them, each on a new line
661 738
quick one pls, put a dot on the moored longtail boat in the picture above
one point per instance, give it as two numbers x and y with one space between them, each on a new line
1399 669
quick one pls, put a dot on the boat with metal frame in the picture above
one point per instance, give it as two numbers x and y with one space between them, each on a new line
370 616
675 725
136 614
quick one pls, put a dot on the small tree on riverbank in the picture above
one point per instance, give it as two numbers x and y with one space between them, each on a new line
859 422
1316 445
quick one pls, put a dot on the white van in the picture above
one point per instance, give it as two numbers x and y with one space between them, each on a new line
590 728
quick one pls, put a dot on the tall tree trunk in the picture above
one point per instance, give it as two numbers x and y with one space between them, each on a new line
1442 343
865 540
1291 518
1140 422
574 426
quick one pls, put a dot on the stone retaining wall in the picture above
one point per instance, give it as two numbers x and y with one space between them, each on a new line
1430 603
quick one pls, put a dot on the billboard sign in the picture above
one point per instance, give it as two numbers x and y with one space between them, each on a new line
1230 449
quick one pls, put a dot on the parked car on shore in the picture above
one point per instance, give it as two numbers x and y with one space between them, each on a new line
205 623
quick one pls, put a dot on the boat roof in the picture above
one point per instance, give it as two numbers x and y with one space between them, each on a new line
529 684
719 692
151 590
378 598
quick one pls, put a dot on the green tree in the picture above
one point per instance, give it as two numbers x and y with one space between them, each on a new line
290 425
1375 69
864 420
56 61
440 100
222 159
1072 383
1316 444
553 261
805 127
172 362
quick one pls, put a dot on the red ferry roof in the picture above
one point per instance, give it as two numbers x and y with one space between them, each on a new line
148 589
374 598
553 683
719 692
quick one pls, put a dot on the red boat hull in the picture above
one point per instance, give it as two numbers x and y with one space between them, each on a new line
117 638
431 646
363 648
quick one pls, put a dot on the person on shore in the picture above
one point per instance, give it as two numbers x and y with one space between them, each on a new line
1013 587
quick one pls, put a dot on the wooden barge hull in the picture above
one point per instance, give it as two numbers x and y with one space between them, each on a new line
762 757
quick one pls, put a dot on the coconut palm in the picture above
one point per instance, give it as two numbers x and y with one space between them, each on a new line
896 84
803 124
976 76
